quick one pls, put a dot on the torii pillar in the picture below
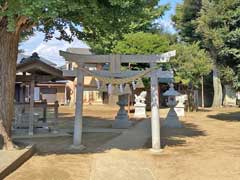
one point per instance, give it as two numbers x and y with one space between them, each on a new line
77 134
155 118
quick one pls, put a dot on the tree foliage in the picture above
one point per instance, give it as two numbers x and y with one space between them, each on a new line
215 24
102 36
142 43
90 20
219 25
190 63
185 20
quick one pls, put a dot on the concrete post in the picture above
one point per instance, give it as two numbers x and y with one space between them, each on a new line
155 120
31 110
56 106
21 94
77 135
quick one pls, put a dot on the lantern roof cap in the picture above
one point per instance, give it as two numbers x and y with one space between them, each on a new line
171 91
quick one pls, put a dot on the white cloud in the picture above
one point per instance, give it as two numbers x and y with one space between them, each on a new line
49 49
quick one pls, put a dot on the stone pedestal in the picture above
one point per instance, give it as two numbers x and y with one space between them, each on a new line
172 120
140 110
230 98
179 108
122 120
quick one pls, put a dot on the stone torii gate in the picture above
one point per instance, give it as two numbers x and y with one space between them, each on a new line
115 62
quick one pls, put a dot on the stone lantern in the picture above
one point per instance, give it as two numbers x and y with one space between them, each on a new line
122 120
172 120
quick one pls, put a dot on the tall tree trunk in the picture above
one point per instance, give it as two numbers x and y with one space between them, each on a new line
8 55
217 87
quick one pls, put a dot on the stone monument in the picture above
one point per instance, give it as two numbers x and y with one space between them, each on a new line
140 105
230 97
172 120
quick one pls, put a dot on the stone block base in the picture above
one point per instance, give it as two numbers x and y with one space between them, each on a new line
172 120
77 147
121 123
140 111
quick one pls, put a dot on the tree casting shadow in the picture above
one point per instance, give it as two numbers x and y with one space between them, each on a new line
230 116
92 141
175 136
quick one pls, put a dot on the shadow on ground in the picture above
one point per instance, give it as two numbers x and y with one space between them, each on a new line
228 116
93 140
176 136
61 145
204 110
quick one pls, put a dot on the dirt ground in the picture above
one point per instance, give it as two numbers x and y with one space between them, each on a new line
207 147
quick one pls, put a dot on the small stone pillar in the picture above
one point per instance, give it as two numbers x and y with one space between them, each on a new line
22 95
44 110
56 106
121 120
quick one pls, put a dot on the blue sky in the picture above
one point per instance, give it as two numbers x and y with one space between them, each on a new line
50 49
165 21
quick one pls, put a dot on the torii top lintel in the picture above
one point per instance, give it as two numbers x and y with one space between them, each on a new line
88 59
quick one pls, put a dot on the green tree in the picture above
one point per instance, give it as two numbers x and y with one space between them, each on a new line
142 43
190 63
219 26
185 20
215 24
118 21
20 16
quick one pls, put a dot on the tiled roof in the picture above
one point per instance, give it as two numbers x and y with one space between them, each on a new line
21 56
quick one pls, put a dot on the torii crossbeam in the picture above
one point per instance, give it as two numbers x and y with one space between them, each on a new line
115 62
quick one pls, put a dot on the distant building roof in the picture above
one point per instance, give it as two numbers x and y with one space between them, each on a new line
21 57
35 65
